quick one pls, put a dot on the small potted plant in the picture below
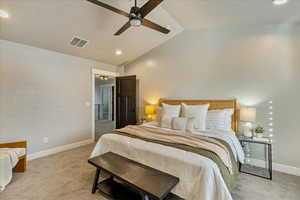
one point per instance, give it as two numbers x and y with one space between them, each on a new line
259 130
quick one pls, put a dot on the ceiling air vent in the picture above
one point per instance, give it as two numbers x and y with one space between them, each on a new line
78 42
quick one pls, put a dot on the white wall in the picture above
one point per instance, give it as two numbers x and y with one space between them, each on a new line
43 94
252 64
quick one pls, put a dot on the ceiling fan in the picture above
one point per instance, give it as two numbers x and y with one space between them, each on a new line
136 16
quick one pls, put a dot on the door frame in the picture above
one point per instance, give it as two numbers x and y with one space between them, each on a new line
95 72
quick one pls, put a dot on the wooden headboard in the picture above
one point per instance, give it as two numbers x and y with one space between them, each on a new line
213 105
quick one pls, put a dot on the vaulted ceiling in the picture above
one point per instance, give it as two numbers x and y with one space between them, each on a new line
200 14
51 24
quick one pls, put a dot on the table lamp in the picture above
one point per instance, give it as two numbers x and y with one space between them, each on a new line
247 115
150 111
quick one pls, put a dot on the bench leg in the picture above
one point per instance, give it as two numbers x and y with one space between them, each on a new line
95 185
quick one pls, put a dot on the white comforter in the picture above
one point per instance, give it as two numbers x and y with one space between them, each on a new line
9 158
200 178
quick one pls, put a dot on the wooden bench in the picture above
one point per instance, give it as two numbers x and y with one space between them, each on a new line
130 180
22 164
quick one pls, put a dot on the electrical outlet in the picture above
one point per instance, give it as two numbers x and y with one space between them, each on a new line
45 140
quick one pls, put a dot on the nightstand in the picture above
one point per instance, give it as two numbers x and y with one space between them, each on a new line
257 170
139 123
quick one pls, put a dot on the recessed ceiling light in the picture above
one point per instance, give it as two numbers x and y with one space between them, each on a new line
118 52
279 2
3 14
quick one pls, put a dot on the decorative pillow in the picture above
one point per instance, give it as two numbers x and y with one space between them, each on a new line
179 123
190 124
219 119
166 122
198 112
170 110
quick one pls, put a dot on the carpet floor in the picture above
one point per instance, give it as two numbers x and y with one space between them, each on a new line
68 176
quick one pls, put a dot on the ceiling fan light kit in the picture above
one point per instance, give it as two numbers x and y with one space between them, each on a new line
137 15
135 22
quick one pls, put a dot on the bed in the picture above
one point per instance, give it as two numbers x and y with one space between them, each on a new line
201 178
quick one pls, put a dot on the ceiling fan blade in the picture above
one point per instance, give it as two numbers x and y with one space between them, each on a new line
154 26
104 5
124 28
149 6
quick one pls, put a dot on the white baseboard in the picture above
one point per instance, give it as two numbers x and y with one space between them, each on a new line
55 150
278 167
260 163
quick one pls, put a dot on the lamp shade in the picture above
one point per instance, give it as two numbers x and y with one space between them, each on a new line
248 114
150 110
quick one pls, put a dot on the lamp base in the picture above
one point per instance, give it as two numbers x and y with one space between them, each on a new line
247 132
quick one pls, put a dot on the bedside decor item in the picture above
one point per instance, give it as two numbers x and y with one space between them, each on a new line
150 111
248 115
259 130
141 121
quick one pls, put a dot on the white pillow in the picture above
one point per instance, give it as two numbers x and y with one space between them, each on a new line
178 123
183 123
166 122
167 113
219 119
170 110
190 124
198 112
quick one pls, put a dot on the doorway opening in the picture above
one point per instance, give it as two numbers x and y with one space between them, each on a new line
104 100
104 104
113 102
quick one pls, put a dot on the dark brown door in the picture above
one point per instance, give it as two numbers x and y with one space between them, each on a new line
126 101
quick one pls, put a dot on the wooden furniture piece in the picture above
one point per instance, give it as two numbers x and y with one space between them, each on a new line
254 170
137 180
125 101
22 164
213 105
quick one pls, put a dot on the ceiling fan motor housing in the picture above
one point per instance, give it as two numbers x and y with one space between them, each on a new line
135 13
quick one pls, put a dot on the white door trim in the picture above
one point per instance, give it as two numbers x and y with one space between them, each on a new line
94 72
